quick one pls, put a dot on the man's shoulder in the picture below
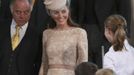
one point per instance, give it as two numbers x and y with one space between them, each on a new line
4 25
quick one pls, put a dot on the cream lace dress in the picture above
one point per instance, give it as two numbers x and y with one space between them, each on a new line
66 47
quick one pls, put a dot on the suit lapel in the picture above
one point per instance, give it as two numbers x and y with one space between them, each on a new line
6 42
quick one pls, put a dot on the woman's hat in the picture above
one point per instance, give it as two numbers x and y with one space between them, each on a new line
55 4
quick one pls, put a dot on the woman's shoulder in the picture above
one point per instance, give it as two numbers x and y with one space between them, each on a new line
80 30
110 52
47 31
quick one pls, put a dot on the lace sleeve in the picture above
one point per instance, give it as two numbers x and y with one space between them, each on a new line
44 65
82 47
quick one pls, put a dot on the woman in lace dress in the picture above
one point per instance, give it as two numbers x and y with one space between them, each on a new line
64 45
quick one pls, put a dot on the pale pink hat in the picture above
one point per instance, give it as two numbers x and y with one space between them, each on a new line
55 4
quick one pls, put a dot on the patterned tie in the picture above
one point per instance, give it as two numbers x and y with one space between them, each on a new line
15 38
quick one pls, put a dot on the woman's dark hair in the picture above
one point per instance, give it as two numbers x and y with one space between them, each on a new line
117 24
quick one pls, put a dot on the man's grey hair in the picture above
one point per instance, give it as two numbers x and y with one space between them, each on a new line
13 2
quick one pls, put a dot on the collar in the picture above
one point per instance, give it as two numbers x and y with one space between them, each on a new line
13 24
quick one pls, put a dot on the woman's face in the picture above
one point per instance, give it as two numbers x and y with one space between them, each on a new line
109 35
60 16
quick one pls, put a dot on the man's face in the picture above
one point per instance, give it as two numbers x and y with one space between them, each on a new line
21 12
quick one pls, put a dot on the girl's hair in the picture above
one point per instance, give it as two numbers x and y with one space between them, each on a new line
117 24
52 23
105 72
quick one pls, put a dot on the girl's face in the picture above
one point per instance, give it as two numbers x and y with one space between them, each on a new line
60 16
109 35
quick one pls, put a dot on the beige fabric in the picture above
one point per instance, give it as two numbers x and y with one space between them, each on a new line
55 4
65 47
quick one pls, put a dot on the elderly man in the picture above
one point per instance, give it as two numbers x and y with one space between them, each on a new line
20 43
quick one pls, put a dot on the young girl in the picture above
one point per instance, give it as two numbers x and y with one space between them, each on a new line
120 57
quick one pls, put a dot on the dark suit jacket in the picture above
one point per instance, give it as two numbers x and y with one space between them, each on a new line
91 11
39 16
28 52
5 13
106 8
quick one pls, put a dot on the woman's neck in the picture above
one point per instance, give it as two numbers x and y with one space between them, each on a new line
62 27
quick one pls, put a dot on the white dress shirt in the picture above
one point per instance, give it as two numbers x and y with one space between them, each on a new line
121 62
22 30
